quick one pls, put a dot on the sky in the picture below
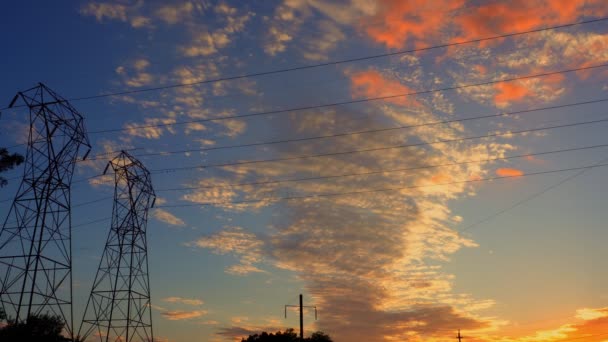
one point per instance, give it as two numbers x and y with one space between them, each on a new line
445 183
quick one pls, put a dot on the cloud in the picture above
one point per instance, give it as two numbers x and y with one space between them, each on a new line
118 12
509 92
135 74
372 84
588 314
183 315
369 259
181 300
592 328
236 241
206 42
175 13
277 41
105 10
151 128
496 18
397 22
166 217
318 46
509 172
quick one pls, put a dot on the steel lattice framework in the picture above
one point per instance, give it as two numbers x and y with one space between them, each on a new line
119 306
35 241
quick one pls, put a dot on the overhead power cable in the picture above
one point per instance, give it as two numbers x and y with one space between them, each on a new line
378 130
360 192
356 101
528 198
380 171
375 149
383 148
383 171
336 62
91 222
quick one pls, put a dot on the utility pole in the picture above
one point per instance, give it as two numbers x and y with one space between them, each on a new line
301 307
36 237
459 336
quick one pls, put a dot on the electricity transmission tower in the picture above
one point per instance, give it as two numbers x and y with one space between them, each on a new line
35 240
119 306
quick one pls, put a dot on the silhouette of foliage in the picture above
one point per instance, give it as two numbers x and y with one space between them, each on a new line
7 162
39 328
288 335
319 336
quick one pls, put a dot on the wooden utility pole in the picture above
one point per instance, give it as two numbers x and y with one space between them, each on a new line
459 336
301 319
301 308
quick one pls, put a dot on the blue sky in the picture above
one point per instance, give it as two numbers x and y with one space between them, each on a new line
381 266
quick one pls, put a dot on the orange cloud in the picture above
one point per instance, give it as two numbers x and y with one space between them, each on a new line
441 178
183 315
543 88
592 328
510 92
398 21
522 15
371 83
509 172
186 301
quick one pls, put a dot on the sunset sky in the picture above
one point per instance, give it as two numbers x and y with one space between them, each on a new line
423 225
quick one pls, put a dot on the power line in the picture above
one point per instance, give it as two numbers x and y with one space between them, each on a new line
381 171
384 170
378 130
91 222
528 198
91 202
361 101
375 149
360 192
364 100
332 63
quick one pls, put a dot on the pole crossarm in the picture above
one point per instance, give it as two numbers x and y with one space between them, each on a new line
301 309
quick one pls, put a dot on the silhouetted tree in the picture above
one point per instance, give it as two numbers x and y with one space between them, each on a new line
7 162
288 335
39 328
319 336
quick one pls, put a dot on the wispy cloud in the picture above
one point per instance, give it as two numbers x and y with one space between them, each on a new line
183 315
236 241
187 301
168 218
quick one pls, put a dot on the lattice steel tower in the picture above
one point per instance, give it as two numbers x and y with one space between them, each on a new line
119 306
35 241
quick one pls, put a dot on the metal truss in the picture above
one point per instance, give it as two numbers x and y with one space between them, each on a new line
35 240
119 306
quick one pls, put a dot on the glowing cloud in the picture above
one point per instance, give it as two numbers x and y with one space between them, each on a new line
181 300
509 172
371 83
183 315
